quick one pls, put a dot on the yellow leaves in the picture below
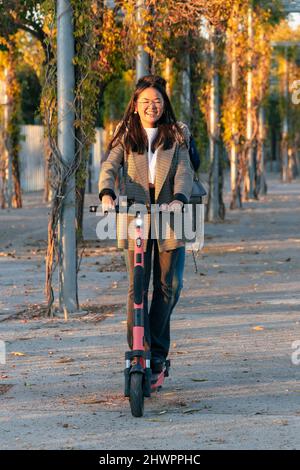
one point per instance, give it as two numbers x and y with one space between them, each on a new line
30 50
3 41
17 354
49 28
94 8
13 14
258 328
283 32
3 63
148 50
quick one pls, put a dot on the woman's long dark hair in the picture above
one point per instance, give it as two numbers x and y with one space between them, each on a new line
135 138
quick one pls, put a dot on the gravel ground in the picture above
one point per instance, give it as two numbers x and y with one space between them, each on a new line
233 384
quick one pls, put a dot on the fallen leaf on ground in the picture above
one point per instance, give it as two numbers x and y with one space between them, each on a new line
155 420
5 388
281 422
93 401
65 360
181 403
258 328
16 353
192 410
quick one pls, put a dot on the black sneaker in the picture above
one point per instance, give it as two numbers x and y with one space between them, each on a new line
157 365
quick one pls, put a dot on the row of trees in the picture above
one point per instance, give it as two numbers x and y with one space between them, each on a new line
216 56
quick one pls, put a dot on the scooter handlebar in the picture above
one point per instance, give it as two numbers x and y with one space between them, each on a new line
116 209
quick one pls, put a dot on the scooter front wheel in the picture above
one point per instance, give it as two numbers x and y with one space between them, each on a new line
136 396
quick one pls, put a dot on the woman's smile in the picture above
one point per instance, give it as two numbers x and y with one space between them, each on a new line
150 106
153 114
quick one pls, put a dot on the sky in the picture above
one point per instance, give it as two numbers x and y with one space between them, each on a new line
294 20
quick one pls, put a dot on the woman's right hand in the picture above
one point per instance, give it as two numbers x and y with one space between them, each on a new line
108 203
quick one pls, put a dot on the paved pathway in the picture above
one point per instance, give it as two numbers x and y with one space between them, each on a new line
233 384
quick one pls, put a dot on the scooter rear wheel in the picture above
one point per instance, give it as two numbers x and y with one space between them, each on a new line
136 396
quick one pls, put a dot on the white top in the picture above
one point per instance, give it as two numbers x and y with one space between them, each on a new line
151 133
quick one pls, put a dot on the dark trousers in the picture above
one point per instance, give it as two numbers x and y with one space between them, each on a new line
178 276
165 295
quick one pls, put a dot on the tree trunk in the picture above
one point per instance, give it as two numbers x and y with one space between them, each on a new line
7 137
261 178
235 200
10 100
142 59
168 75
80 193
2 171
17 198
185 97
81 180
215 208
250 192
285 124
48 193
14 137
261 174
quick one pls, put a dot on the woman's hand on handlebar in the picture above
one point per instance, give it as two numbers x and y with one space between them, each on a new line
175 206
108 203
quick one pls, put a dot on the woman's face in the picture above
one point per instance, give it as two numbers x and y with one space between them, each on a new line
150 106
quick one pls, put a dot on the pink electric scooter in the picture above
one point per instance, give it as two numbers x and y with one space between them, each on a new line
139 380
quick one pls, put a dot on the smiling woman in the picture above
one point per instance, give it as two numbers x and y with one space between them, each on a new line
152 149
149 107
